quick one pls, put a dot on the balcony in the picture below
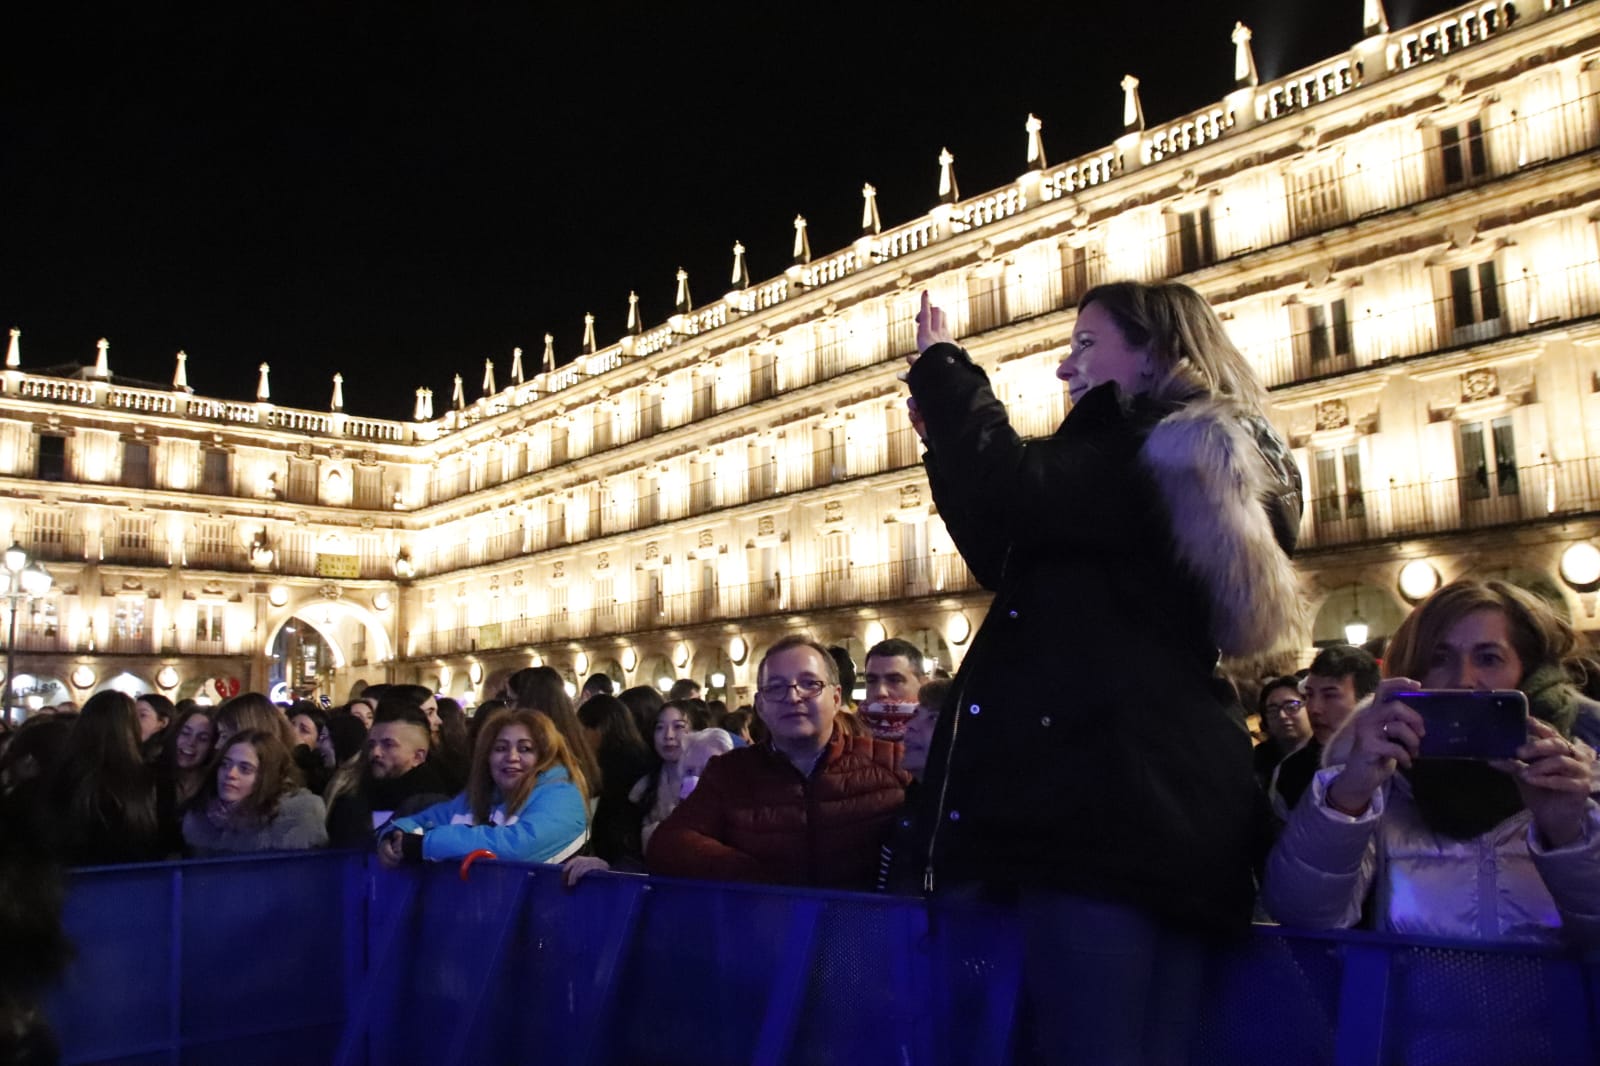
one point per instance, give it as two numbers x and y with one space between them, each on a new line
910 579
1450 505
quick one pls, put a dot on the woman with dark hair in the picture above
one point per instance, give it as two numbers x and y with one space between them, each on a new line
100 802
540 688
623 758
1502 850
1127 552
182 770
525 800
645 703
155 715
452 748
254 802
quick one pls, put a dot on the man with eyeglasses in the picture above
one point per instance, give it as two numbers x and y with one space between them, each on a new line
1283 716
810 806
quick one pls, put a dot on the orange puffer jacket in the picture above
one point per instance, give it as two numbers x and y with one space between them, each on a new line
754 817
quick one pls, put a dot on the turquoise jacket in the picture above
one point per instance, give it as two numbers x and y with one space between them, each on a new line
553 819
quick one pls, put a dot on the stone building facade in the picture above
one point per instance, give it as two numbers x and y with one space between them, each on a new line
1403 239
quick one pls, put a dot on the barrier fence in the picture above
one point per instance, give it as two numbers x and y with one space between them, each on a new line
325 958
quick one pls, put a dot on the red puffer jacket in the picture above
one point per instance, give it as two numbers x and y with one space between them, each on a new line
754 817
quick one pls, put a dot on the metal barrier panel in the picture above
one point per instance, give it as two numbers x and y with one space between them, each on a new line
319 958
236 961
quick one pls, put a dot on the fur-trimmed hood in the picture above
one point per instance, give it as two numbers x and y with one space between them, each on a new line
1234 496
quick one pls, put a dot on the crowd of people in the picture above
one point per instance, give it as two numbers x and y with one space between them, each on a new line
1090 765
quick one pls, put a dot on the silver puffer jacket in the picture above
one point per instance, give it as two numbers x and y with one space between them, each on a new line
1501 886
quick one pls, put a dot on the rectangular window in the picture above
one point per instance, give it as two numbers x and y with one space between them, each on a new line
302 481
558 445
763 375
214 473
208 622
702 488
1336 474
52 458
1474 296
1316 198
828 457
210 544
1327 331
47 532
556 523
835 561
1196 244
128 619
705 395
986 303
369 487
1462 154
135 465
762 476
649 411
1488 459
605 420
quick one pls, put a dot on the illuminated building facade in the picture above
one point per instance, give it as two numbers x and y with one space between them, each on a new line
1405 240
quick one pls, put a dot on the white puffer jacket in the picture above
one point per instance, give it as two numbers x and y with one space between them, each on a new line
1501 886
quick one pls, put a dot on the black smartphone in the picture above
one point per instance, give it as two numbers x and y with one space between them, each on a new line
1469 724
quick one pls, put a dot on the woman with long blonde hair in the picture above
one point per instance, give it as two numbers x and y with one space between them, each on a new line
526 800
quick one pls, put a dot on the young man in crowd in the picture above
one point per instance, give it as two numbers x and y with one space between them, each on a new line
810 806
399 778
894 671
1341 676
596 685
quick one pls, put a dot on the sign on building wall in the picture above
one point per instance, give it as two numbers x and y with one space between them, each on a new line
489 635
338 565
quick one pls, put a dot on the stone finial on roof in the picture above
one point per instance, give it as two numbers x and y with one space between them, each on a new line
516 366
14 350
180 375
1244 58
635 326
949 193
1132 109
1374 20
488 377
871 224
1035 130
102 358
681 303
741 269
589 346
419 413
458 398
338 394
548 363
802 242
427 402
263 386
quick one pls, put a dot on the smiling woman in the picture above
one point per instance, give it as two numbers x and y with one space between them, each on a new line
526 801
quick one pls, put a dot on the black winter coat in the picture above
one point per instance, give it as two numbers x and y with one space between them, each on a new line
1088 745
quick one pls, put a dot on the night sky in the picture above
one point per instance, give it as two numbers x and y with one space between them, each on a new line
398 191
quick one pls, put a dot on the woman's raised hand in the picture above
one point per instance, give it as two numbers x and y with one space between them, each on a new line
1385 736
1555 776
932 327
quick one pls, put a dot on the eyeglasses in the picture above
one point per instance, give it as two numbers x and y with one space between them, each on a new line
1286 707
777 690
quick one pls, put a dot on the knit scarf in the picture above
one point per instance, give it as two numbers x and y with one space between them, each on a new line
1464 800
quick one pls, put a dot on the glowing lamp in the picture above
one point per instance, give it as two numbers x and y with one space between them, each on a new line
1418 580
1580 566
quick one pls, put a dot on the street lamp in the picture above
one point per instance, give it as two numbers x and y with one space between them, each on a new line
22 579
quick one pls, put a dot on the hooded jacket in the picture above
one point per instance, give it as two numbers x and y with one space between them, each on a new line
1090 746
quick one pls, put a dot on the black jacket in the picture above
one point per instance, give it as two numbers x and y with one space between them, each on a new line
1090 747
350 819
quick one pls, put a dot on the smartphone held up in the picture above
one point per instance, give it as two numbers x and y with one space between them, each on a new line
1469 724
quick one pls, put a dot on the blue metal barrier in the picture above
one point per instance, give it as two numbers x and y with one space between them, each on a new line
319 959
